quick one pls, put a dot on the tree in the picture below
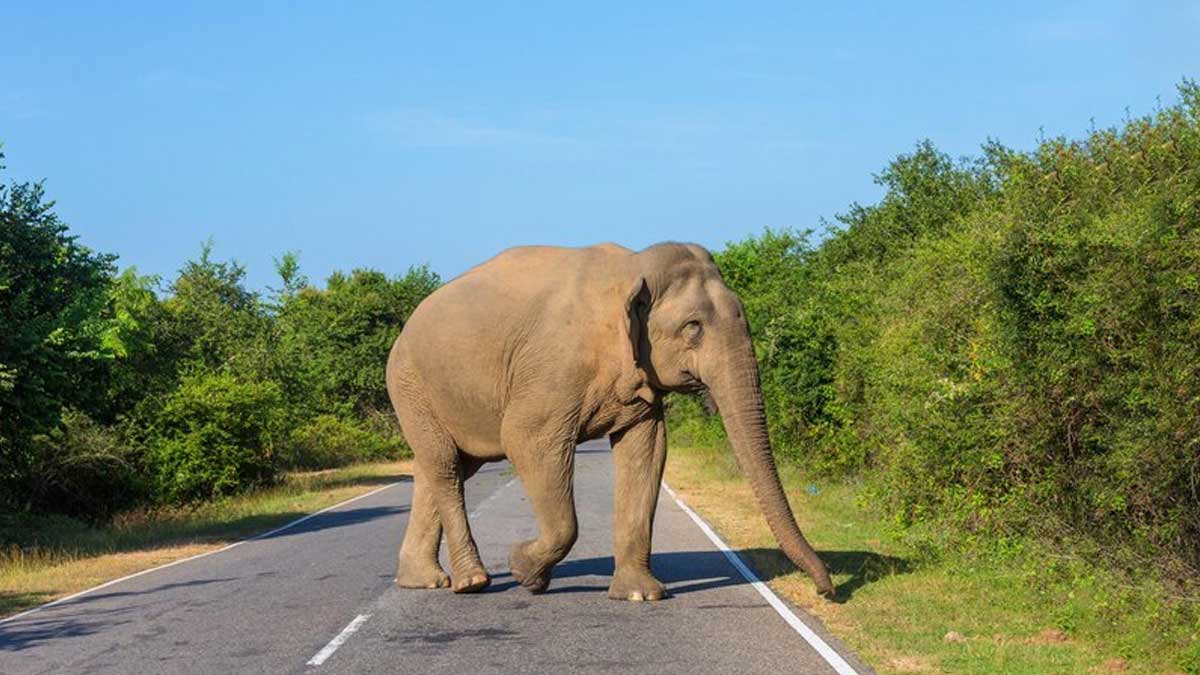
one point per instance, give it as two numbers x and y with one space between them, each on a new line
52 291
217 323
336 340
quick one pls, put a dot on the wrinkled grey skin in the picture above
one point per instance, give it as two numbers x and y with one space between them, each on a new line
541 348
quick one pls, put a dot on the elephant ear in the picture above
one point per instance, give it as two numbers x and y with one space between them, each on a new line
635 347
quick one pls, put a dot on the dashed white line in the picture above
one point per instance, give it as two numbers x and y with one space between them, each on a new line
328 650
821 646
235 544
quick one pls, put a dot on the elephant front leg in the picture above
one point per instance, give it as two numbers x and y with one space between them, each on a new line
639 454
545 462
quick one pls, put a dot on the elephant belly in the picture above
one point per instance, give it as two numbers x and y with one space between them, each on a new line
473 424
613 417
480 445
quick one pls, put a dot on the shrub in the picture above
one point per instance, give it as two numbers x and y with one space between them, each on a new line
330 441
335 341
690 424
85 469
215 435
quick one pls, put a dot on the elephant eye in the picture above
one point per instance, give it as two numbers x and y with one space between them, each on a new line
692 331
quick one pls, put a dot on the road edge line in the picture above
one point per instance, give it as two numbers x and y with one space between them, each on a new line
822 647
235 544
338 640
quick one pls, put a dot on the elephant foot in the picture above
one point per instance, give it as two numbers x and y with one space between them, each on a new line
525 570
635 585
471 582
428 575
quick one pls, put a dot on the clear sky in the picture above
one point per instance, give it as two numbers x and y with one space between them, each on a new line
395 133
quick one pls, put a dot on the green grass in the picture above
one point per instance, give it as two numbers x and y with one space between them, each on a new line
1020 607
46 557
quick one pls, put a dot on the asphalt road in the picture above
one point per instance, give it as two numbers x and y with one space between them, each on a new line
275 604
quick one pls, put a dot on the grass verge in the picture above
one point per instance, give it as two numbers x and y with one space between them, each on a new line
904 611
49 557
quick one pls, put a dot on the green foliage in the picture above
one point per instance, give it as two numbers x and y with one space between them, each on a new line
691 425
774 276
215 322
330 441
114 393
146 355
51 292
215 435
927 192
1050 342
86 469
1009 346
335 341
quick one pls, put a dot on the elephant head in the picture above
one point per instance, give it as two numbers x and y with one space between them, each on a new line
688 332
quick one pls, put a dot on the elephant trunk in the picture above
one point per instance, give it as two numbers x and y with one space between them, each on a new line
737 391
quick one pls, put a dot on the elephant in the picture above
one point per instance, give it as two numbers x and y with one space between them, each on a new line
541 348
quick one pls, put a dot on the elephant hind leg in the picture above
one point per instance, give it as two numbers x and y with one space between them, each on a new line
419 567
443 473
466 569
437 506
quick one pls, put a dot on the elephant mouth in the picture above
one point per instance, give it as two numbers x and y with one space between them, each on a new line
692 384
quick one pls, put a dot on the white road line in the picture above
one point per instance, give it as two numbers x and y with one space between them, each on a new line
235 544
328 650
831 657
490 498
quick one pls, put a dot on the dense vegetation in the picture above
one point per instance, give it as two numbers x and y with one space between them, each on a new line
1002 348
116 393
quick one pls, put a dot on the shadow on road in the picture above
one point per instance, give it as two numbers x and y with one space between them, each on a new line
692 571
30 633
186 533
339 518
26 633
12 602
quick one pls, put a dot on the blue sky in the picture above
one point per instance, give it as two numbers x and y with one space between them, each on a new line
383 135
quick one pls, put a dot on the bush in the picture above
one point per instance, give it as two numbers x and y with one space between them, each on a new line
85 469
335 341
777 276
329 441
215 435
690 424
1005 345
